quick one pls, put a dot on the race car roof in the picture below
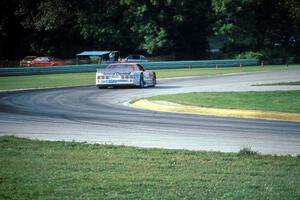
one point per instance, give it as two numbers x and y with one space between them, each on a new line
93 53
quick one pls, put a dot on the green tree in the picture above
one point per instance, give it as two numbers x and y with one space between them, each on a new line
53 27
63 27
255 24
11 31
172 26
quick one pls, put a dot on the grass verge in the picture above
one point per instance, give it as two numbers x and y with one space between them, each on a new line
68 170
170 73
278 101
46 81
79 79
284 83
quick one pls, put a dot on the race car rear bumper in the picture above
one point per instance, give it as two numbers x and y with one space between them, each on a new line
119 82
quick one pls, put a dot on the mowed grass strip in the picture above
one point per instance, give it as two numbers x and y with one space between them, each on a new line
81 79
278 101
69 170
283 83
170 73
47 81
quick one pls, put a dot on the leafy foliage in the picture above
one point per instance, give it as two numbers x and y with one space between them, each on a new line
257 25
247 151
64 27
250 54
177 27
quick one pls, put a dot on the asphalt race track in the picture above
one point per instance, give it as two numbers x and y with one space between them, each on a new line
105 116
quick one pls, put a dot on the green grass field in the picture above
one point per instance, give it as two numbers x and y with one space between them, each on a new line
281 101
283 83
47 81
80 79
68 170
170 73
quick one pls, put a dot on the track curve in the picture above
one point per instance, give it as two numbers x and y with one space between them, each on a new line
105 116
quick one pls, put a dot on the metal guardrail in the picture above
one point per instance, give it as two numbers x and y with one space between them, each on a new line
200 64
148 65
50 70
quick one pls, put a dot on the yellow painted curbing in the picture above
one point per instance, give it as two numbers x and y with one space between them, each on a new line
170 107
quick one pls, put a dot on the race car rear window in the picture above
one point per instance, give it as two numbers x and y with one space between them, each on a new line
134 57
42 59
121 67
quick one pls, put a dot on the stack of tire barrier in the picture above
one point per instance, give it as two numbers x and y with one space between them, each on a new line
148 65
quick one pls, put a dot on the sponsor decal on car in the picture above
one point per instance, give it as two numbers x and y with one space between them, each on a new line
115 81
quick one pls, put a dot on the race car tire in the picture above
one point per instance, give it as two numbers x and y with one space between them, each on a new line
101 86
154 79
142 82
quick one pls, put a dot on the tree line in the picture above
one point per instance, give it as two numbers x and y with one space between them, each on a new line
155 27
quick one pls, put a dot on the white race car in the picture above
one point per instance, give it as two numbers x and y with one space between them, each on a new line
118 74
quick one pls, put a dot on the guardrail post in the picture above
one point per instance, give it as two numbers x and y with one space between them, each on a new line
217 66
262 63
241 65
